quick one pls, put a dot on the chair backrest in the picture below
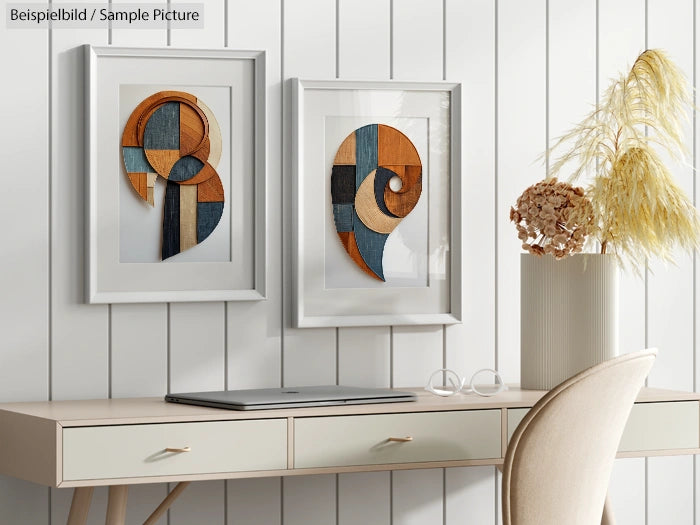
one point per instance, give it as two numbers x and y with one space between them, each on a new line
558 463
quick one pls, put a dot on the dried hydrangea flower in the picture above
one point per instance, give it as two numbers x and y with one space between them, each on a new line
553 218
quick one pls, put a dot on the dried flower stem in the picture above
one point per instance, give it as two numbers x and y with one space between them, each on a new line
638 209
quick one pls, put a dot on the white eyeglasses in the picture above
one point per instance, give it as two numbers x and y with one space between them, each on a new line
485 382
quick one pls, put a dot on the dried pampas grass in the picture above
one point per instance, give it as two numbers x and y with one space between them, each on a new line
639 211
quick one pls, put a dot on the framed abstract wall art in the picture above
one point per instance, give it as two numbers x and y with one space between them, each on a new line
176 175
377 205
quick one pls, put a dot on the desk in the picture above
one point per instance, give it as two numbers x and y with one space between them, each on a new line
119 442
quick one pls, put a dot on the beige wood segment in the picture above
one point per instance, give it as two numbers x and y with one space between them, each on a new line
167 502
116 505
129 451
367 440
368 210
188 217
28 448
80 506
659 426
150 185
215 141
347 151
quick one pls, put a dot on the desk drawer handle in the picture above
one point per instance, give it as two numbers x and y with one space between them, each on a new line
183 449
401 440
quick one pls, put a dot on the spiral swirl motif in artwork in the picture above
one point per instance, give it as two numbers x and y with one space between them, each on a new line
174 135
365 207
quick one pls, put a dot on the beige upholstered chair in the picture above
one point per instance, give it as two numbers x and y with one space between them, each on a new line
558 464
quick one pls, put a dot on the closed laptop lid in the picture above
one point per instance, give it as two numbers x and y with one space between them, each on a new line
291 397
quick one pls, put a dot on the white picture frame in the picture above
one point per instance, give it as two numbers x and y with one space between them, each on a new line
235 269
429 114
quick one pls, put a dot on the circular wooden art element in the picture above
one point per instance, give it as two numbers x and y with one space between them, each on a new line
365 207
174 135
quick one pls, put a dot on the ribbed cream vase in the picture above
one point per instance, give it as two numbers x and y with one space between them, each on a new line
569 312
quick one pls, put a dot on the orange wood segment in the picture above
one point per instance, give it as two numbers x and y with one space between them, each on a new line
138 181
346 151
401 202
203 152
130 136
210 190
162 160
399 169
193 128
345 239
394 148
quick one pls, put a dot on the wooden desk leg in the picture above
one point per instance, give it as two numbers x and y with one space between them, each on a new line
169 500
116 505
82 496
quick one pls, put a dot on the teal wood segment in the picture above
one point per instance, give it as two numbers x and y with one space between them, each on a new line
163 128
208 216
185 168
370 245
342 214
365 152
135 160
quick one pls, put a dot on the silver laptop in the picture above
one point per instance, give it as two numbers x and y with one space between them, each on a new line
293 397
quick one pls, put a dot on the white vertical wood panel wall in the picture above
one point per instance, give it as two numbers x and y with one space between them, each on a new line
529 68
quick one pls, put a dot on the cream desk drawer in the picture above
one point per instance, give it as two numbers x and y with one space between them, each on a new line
651 426
130 451
367 440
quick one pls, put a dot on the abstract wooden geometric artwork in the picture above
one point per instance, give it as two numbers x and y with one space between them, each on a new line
365 207
174 135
